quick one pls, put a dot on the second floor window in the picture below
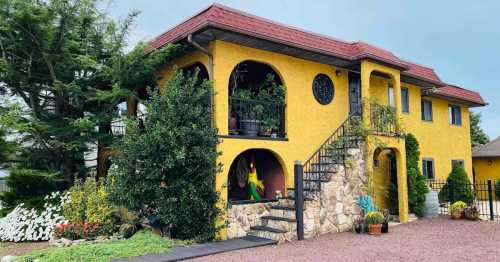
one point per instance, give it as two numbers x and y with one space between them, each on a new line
428 168
405 100
390 96
455 115
426 110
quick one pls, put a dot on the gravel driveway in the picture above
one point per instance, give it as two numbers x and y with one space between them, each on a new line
440 239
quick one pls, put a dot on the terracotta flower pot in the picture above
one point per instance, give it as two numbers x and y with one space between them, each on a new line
375 230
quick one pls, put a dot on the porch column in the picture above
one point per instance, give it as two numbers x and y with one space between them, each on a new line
397 94
365 92
402 185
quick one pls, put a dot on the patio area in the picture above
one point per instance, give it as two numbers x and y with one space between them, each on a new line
440 239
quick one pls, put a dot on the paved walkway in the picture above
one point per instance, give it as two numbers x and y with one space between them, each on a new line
180 253
440 239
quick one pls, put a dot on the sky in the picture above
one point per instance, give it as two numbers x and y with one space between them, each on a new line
459 39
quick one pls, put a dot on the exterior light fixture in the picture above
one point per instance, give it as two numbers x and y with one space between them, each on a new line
338 72
490 162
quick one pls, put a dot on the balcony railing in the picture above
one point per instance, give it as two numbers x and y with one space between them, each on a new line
255 118
119 127
383 120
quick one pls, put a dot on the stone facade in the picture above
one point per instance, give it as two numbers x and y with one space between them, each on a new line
336 209
242 217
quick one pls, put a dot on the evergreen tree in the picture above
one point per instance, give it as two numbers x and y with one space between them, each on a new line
458 187
65 62
168 167
417 187
477 135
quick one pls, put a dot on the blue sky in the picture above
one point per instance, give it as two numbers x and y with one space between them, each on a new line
459 39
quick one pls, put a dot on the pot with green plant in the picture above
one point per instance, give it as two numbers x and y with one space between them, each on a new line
374 220
360 225
250 122
385 224
269 126
457 210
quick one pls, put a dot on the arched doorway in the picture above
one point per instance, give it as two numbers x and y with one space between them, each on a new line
385 180
256 101
268 171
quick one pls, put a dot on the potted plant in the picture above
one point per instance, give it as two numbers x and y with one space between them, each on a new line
250 122
269 125
360 225
385 224
457 210
472 213
374 219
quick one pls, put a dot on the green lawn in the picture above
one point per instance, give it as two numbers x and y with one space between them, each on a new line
141 243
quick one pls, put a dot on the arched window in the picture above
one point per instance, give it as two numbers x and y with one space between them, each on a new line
256 101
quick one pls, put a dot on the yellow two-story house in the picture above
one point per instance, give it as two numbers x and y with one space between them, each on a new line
288 101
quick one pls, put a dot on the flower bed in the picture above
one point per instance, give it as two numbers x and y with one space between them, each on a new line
23 224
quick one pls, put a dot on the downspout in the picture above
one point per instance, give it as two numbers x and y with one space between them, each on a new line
210 71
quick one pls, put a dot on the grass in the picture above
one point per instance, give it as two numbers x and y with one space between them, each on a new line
141 243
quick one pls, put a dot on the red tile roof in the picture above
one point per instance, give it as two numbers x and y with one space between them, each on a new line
422 72
234 20
460 93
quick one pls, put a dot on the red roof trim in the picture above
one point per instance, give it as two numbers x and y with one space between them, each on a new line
455 92
230 19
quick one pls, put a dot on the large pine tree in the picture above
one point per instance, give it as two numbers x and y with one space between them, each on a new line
64 61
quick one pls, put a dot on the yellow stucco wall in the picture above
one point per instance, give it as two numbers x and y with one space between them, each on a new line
438 139
486 168
309 123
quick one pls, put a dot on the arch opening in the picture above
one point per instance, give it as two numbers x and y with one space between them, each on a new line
382 104
385 179
256 101
255 174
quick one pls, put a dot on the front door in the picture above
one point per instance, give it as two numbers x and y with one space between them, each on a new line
354 94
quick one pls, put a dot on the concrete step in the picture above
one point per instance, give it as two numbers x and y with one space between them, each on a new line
280 237
282 223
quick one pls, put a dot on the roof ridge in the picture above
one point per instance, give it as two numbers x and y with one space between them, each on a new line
280 23
203 10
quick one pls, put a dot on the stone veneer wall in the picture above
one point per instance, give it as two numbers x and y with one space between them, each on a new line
242 217
334 212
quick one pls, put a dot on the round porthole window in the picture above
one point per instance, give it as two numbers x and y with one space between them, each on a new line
323 89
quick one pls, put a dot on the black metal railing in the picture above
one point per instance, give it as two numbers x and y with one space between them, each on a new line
119 127
383 120
255 118
481 194
319 167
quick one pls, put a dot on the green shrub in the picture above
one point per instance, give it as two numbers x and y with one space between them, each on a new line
374 217
90 204
417 186
457 208
169 168
27 186
457 187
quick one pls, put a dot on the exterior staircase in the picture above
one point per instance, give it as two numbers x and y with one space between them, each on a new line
332 155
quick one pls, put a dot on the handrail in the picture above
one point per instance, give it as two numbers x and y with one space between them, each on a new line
333 135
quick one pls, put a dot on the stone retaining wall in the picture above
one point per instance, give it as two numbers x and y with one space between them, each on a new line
242 217
337 208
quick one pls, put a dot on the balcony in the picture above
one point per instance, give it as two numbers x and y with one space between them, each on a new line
119 127
252 118
383 120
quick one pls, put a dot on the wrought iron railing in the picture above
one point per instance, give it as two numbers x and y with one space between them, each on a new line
383 120
320 166
255 118
119 127
481 194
